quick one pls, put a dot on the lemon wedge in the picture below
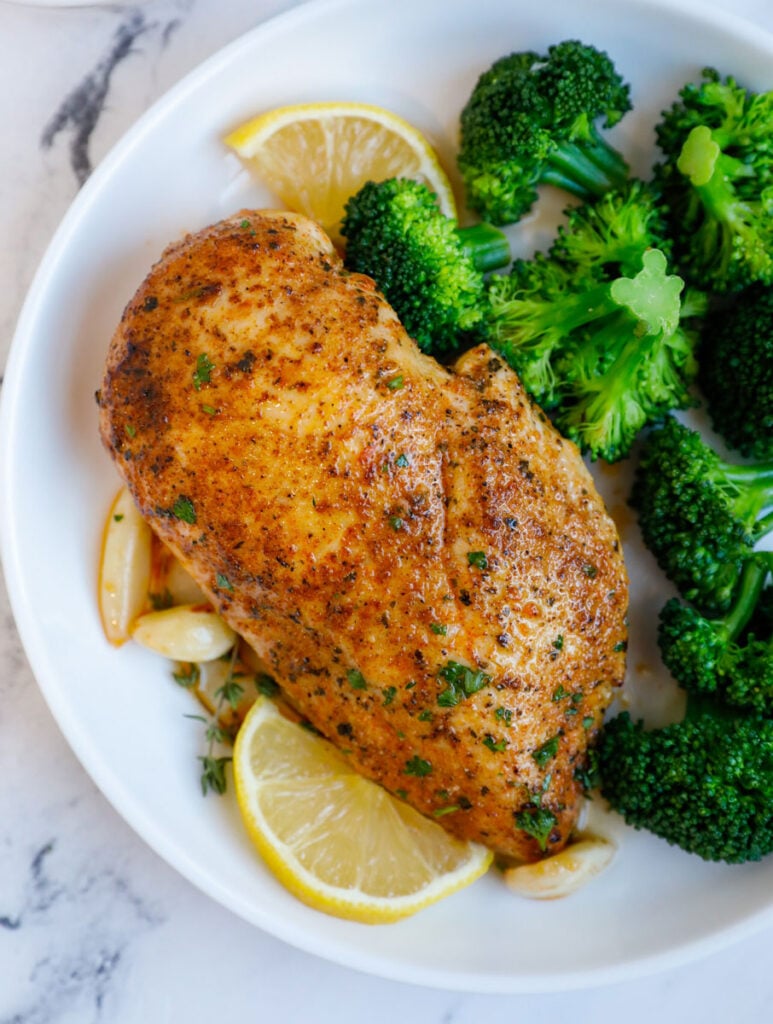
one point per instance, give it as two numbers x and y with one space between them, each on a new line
314 156
339 842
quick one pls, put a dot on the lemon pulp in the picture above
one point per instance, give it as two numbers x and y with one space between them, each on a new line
338 841
314 156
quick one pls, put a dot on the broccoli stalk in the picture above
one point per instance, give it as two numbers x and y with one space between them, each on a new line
736 372
700 515
485 245
704 783
704 655
605 357
716 180
585 165
430 270
697 650
531 120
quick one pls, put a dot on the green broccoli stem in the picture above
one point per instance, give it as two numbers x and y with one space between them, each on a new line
753 577
486 246
763 526
577 310
755 493
586 169
712 174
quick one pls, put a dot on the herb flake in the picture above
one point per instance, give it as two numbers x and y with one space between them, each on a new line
183 509
203 371
477 559
356 679
544 754
223 583
462 680
538 822
417 766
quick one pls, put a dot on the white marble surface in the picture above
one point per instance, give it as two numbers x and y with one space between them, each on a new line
93 925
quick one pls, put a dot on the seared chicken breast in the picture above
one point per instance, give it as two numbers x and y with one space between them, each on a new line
420 558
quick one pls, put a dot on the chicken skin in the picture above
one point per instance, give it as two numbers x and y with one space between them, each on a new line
422 561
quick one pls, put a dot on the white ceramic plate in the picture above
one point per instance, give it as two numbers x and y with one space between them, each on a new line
119 709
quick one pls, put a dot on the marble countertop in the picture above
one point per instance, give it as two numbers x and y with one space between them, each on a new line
93 925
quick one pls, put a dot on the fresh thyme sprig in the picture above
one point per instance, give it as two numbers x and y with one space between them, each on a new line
217 732
223 722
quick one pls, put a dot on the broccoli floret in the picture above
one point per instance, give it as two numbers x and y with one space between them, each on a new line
736 372
430 271
704 784
717 181
605 357
610 236
711 656
532 119
700 515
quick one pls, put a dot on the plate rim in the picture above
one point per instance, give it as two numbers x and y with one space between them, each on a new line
111 787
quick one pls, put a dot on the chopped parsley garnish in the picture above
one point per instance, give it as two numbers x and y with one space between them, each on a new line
183 509
402 461
477 559
537 822
587 722
210 410
438 628
590 571
622 645
204 368
130 430
396 522
418 766
493 745
588 774
117 518
504 715
265 684
426 715
441 812
542 755
356 679
395 383
390 692
558 643
462 682
223 583
559 693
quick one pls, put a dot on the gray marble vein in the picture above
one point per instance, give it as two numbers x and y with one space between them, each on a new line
90 918
81 109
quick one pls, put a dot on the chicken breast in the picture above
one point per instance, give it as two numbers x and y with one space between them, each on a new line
422 561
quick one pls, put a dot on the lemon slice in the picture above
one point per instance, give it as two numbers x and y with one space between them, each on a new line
337 841
314 156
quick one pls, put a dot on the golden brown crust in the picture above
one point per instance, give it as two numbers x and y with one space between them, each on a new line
364 517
